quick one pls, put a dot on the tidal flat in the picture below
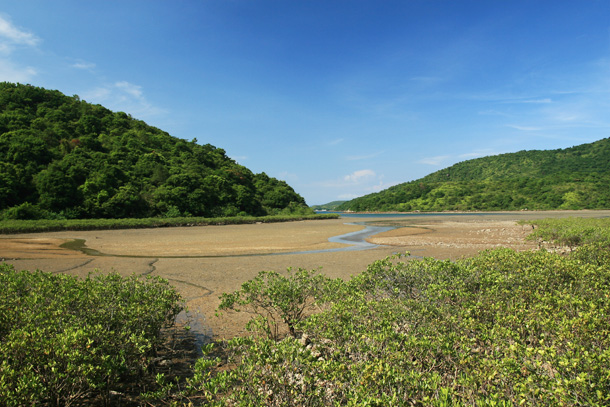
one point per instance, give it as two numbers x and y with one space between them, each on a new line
202 262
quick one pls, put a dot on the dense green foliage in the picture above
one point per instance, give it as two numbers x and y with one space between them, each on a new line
275 299
62 338
572 231
500 329
572 178
582 159
45 225
61 157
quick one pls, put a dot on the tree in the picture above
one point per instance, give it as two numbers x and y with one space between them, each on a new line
276 298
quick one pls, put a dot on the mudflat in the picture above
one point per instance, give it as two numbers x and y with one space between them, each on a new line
203 262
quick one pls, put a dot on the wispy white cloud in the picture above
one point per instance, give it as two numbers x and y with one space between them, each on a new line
356 178
289 177
526 100
363 157
537 101
353 185
476 154
11 35
524 128
379 185
569 116
97 95
123 96
335 142
359 176
84 65
436 160
130 89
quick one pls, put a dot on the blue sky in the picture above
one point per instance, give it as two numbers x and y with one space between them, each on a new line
338 98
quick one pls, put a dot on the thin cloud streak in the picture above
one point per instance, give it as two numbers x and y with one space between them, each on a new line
353 185
359 176
15 35
437 160
131 89
84 65
335 142
476 154
124 96
350 180
10 37
524 128
538 101
363 157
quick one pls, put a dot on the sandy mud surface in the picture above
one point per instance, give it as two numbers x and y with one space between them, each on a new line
203 262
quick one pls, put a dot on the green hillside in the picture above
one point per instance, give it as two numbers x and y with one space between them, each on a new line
331 206
571 178
61 157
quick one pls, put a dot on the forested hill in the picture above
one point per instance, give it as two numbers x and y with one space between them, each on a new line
62 157
582 159
571 178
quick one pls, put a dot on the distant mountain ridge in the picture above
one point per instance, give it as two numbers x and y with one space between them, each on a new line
571 178
61 157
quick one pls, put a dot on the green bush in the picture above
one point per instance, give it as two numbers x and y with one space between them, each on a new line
571 232
501 328
25 211
62 338
274 298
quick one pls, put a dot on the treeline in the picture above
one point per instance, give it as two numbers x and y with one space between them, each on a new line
573 178
53 225
61 157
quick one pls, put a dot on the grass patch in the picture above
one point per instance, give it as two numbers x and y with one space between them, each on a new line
571 232
43 225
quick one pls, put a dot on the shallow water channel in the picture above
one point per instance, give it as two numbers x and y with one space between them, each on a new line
355 240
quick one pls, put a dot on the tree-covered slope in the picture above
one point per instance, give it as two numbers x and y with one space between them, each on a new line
63 157
582 159
571 178
330 206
